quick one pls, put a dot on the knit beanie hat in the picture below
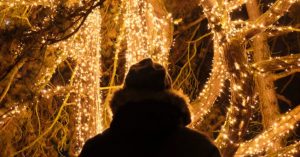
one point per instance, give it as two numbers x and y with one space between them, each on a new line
147 75
149 81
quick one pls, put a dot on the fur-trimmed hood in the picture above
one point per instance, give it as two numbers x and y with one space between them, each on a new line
176 100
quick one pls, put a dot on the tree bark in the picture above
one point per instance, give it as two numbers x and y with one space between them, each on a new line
241 100
264 85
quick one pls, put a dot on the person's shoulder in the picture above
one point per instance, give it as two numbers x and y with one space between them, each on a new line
100 139
91 145
198 141
190 133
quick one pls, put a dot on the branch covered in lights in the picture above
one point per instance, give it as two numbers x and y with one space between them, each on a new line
277 10
47 43
232 5
263 142
279 66
148 34
241 100
288 151
211 91
59 39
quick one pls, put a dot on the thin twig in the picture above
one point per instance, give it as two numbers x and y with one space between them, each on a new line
10 76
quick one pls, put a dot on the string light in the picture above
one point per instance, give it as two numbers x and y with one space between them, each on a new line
14 3
212 88
85 48
264 141
146 34
12 112
226 33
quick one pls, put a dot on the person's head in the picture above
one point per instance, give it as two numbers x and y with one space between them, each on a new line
149 81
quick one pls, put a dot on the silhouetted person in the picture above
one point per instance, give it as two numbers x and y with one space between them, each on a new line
149 120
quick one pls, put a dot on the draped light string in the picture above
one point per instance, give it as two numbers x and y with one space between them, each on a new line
13 3
85 48
145 36
144 32
48 3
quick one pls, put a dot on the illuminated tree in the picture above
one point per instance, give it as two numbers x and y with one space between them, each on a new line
61 60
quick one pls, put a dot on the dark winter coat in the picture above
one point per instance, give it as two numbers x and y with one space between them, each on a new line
149 126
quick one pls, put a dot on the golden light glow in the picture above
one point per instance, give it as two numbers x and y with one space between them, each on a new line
84 47
145 33
225 32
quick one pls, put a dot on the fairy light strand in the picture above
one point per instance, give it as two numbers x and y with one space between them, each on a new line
279 129
146 36
220 22
145 33
84 47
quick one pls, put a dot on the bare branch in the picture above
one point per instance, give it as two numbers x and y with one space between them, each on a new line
186 27
83 17
10 76
56 119
284 74
284 99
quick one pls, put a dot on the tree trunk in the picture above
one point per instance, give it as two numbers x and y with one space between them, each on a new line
264 86
242 93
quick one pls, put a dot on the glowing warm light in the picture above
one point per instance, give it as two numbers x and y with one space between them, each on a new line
264 142
12 112
13 3
84 47
145 33
226 33
213 87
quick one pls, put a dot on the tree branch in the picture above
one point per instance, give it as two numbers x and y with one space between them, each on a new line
186 27
211 91
284 74
284 99
263 142
277 64
235 4
10 76
241 101
278 9
291 150
83 17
